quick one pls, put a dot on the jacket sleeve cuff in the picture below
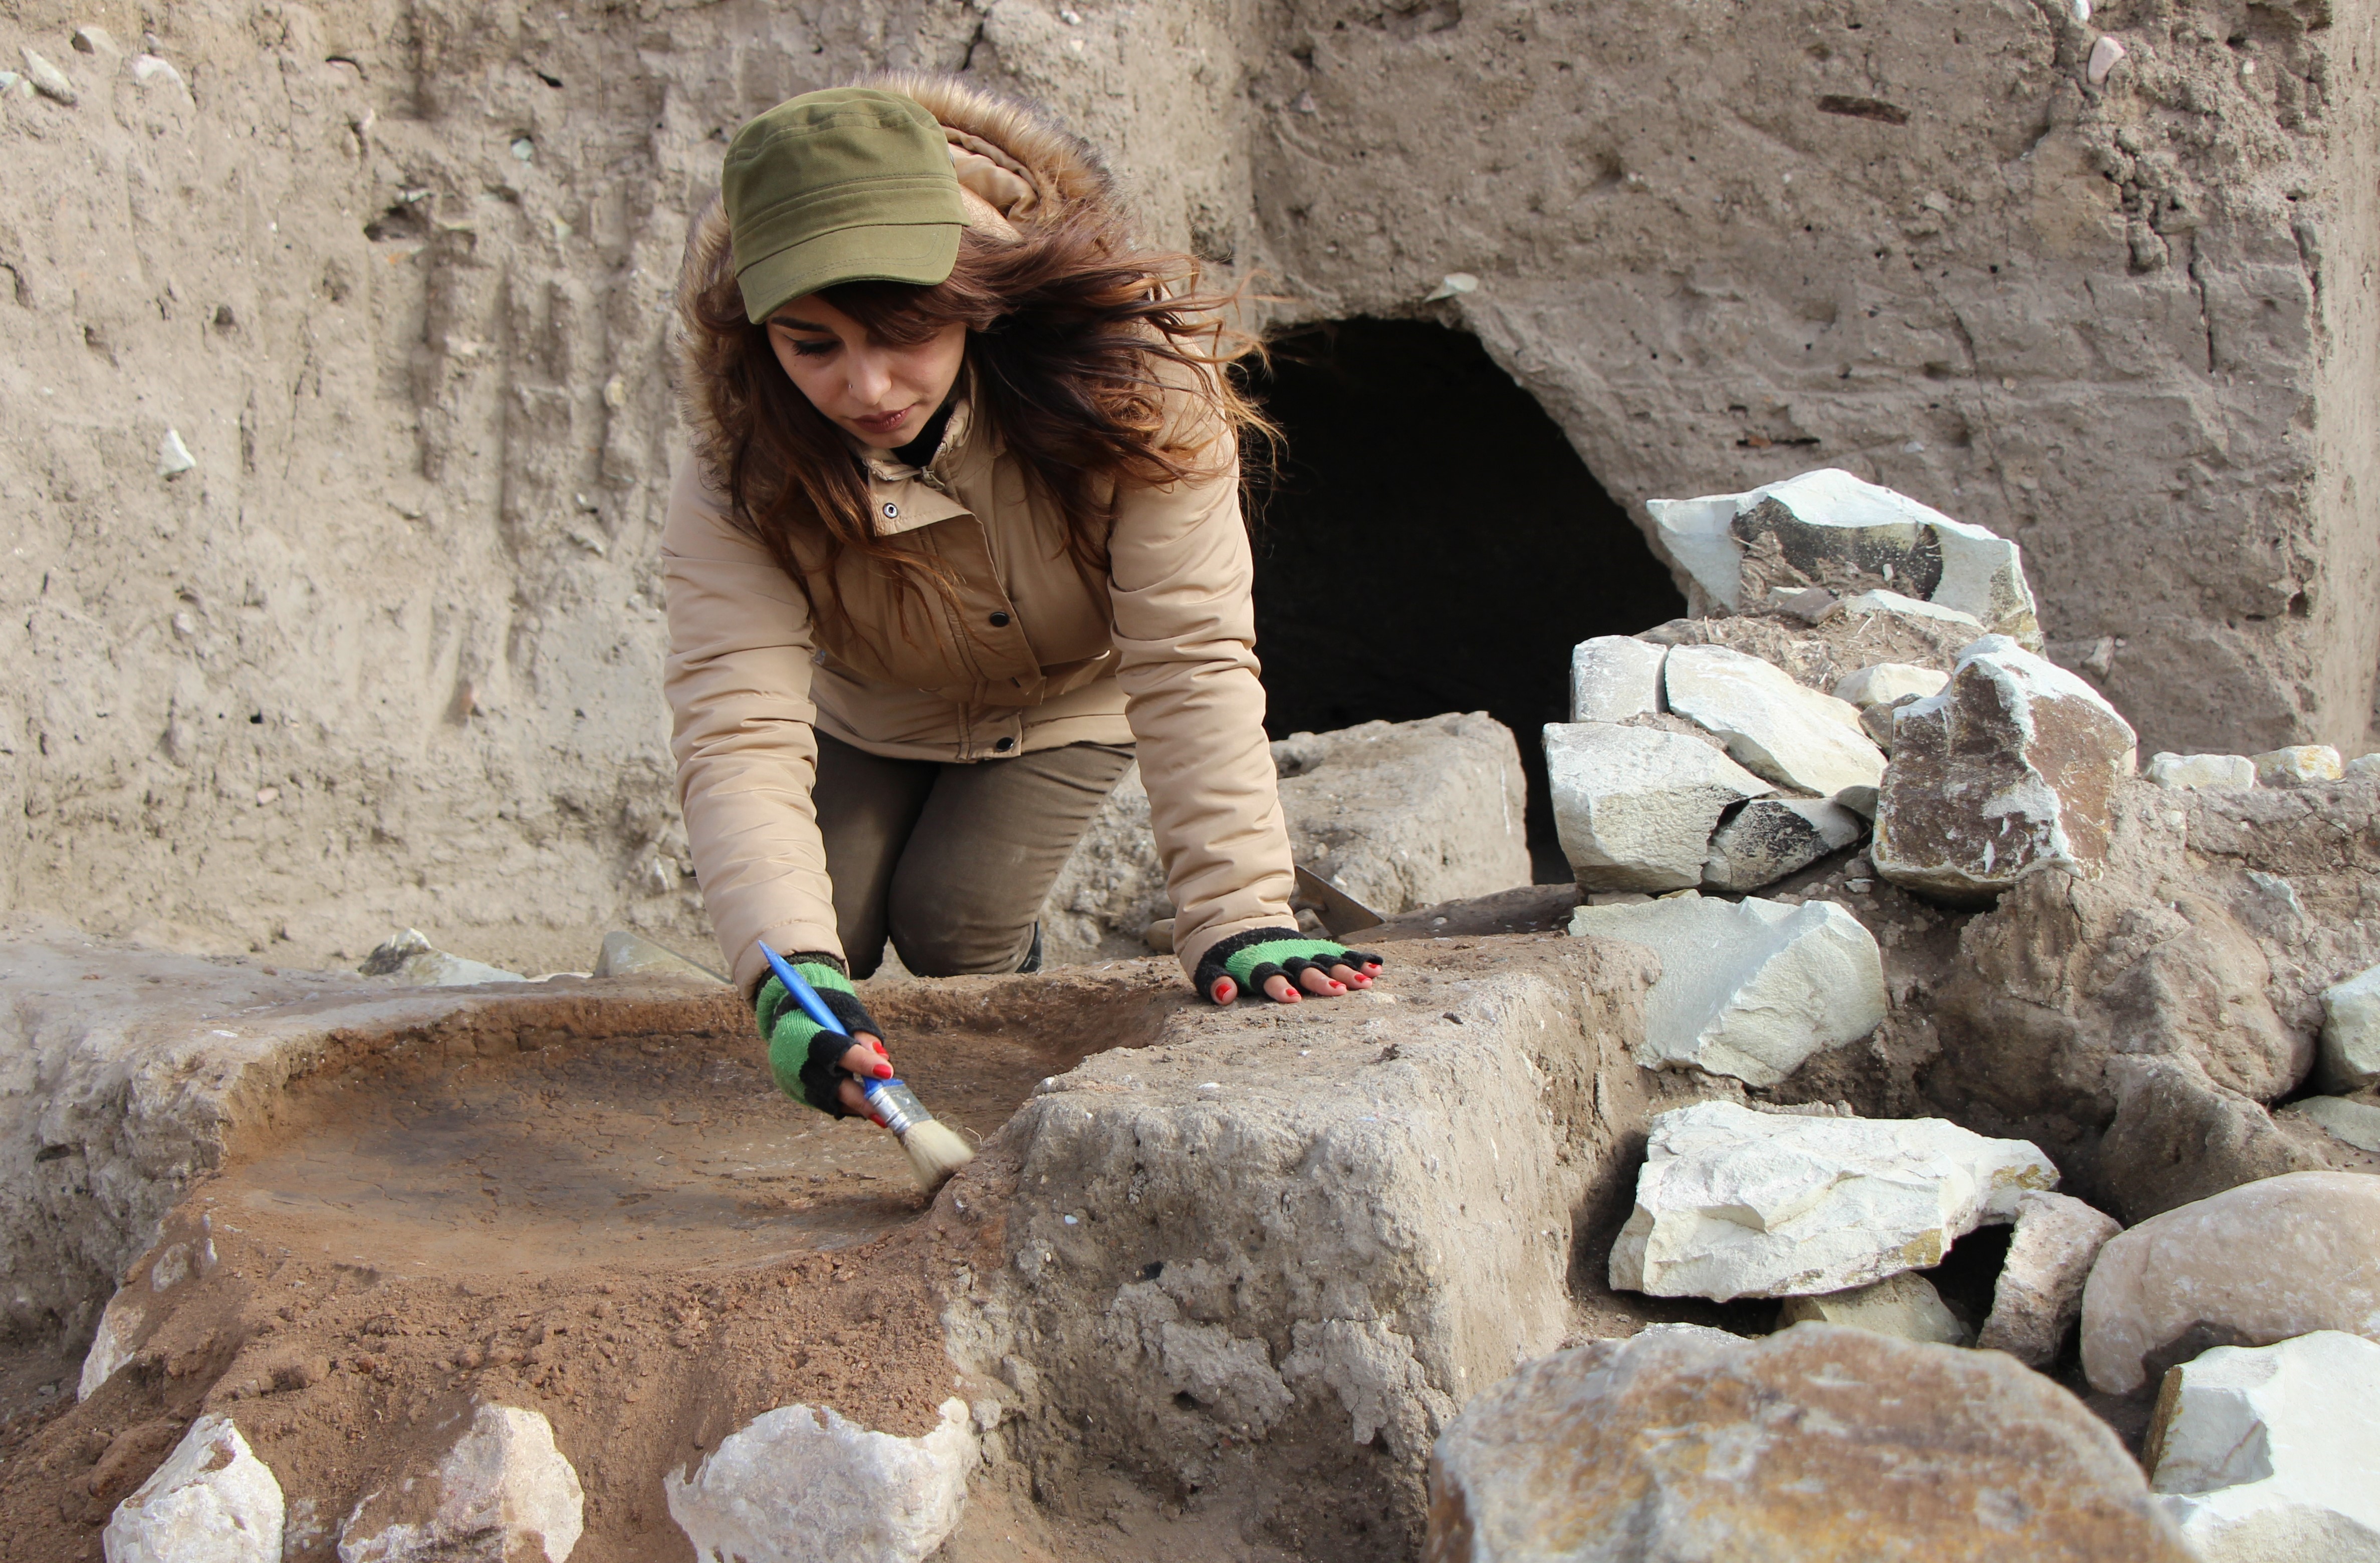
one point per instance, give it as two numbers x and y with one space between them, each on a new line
751 968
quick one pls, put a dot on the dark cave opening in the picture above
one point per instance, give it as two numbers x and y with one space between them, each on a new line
1433 543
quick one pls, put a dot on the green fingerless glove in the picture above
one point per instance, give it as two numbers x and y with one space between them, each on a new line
1248 958
806 1060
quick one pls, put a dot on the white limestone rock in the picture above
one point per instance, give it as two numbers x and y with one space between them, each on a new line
1861 604
1776 728
2217 772
414 961
1732 1202
2343 1118
2271 1454
1905 1306
503 1491
2008 771
1770 837
2351 1031
212 1501
625 955
1882 683
1828 521
174 457
2039 1293
2297 765
1635 806
798 1484
1613 678
1748 988
2251 1265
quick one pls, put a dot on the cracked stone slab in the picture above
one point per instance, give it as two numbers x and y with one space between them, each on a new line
1770 837
1839 531
1635 806
1748 988
1772 725
2008 771
1732 1202
2270 1452
1613 678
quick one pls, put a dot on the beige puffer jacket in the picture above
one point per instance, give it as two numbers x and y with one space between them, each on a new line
1161 654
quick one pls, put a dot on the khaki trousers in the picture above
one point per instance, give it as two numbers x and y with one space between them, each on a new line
953 861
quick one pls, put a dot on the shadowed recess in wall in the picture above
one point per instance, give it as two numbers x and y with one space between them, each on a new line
1434 543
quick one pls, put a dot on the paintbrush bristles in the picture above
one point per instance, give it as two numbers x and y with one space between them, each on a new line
935 1151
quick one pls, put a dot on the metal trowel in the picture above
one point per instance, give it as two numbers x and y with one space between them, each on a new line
1342 913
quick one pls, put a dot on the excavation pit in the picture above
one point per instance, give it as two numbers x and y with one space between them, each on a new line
671 1150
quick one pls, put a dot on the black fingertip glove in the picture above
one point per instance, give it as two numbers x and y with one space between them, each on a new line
1248 958
807 1059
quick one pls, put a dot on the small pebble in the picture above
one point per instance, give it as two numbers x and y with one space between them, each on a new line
174 457
2103 55
48 79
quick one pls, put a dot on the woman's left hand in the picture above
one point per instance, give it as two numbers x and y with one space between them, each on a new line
1284 965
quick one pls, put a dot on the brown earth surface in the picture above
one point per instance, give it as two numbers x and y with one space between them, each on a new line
639 1238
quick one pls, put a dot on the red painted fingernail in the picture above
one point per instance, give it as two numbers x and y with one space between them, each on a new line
879 1047
1224 990
884 1071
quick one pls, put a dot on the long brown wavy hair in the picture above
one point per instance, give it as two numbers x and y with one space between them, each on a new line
1069 329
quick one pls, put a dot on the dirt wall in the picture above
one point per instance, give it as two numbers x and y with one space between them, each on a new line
395 273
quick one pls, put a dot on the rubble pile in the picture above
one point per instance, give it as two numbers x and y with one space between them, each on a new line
2013 1105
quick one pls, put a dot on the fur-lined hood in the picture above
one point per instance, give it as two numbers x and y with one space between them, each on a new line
1015 166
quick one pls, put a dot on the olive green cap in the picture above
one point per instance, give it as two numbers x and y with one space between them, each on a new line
848 184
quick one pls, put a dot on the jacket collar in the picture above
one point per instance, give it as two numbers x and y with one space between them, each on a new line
920 497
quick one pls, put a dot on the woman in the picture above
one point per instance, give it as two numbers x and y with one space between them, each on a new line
959 535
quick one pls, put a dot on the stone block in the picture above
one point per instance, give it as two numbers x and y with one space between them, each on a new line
801 1483
212 1501
503 1491
2341 1118
2039 1293
1882 683
2297 765
1776 728
1748 988
2351 1031
2220 772
2251 1265
1635 806
1732 1202
1831 528
1770 837
2008 771
1398 814
1613 678
1816 1444
1905 1306
2272 1453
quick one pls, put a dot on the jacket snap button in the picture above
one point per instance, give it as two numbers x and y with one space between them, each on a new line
891 511
1000 621
1003 745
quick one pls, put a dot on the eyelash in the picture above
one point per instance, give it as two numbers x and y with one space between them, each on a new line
813 350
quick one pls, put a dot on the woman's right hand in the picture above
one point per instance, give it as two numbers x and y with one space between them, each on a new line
822 1068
